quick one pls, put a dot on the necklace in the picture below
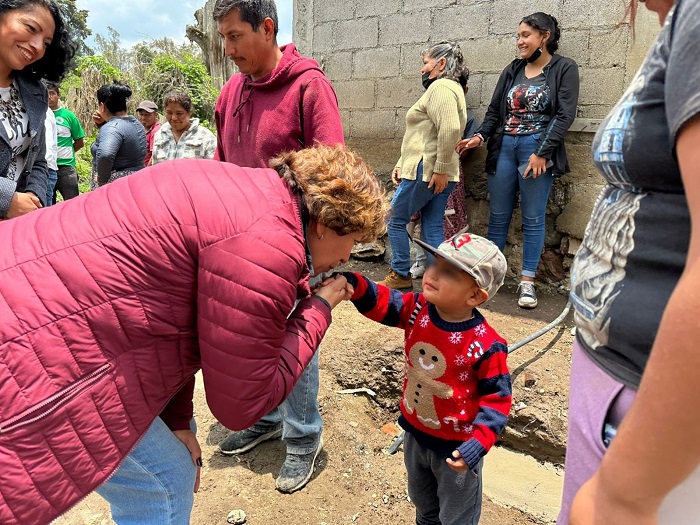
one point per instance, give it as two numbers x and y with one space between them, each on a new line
12 109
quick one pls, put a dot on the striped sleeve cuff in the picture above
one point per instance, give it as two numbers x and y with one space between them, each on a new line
471 451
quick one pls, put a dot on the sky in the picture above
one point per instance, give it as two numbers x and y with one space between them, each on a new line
137 20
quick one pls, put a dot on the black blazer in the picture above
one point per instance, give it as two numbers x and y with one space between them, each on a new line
562 77
35 175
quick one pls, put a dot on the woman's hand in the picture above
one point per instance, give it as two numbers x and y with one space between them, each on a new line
396 176
537 166
593 505
23 203
467 144
457 464
189 439
334 290
98 119
438 182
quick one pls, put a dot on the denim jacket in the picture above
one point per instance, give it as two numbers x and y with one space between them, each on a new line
35 175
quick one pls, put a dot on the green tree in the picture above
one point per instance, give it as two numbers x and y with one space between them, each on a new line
76 21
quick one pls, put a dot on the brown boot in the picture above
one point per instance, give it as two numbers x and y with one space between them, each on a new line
397 281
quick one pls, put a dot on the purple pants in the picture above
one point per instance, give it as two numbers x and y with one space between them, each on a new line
595 399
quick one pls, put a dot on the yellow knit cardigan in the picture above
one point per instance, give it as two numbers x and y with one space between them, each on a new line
434 125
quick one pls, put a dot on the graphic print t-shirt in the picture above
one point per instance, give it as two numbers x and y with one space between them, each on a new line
636 242
528 105
17 132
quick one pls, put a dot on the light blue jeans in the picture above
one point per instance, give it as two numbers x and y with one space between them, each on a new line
504 186
412 196
299 415
154 484
53 177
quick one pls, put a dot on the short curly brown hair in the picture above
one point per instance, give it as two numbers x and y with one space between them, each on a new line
339 189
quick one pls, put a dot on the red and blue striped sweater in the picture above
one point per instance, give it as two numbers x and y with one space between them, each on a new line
457 388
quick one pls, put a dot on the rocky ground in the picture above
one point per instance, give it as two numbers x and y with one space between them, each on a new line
355 480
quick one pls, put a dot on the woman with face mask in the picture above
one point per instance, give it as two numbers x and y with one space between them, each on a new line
532 108
428 168
34 44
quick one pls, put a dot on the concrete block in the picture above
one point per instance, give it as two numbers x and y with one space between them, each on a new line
324 37
506 16
576 13
364 8
490 54
338 66
356 34
355 94
401 122
406 28
608 48
345 119
474 93
601 86
379 62
575 44
411 59
426 5
327 11
375 124
595 111
460 23
380 154
398 92
574 219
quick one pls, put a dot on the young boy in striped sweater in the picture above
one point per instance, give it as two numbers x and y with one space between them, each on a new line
457 388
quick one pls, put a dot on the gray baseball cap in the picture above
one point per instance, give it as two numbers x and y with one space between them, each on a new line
475 255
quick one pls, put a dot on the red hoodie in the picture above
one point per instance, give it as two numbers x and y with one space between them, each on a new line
291 108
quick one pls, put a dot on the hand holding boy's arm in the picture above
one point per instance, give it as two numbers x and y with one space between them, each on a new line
379 303
333 290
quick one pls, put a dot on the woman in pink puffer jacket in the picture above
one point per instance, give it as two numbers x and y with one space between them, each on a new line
110 302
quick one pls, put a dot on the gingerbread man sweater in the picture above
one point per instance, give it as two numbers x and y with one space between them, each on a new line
457 388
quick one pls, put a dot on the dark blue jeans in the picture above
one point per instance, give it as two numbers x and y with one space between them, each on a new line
504 186
412 196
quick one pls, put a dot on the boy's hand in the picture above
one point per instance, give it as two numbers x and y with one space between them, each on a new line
457 464
334 290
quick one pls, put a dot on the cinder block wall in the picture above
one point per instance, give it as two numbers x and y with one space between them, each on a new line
370 49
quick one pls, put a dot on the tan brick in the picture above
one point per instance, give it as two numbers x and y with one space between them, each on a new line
354 94
601 86
576 45
375 124
408 28
608 48
379 62
398 92
490 54
338 66
460 23
325 11
365 8
356 34
507 15
324 37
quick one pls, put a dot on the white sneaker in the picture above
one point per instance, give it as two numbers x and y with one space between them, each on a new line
417 270
528 297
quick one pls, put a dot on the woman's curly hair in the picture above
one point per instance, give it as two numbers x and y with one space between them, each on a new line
338 188
59 54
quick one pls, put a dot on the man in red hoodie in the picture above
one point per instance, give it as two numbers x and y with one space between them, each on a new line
279 101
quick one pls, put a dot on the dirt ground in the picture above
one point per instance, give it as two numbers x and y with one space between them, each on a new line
355 480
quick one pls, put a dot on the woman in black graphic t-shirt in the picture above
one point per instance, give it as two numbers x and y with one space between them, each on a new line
531 109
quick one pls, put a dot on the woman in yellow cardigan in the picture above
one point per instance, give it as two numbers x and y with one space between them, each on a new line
428 168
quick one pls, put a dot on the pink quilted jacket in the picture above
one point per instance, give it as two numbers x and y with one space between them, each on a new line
110 302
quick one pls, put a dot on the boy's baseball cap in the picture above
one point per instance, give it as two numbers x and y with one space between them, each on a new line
147 105
477 256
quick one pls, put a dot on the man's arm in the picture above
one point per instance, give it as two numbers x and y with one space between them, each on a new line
656 447
77 144
320 114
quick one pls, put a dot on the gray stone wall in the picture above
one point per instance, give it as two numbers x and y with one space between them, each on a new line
370 49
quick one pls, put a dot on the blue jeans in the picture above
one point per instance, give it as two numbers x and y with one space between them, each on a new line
412 196
154 484
299 415
53 177
504 186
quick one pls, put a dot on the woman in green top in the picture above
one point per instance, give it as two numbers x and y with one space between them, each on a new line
428 168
